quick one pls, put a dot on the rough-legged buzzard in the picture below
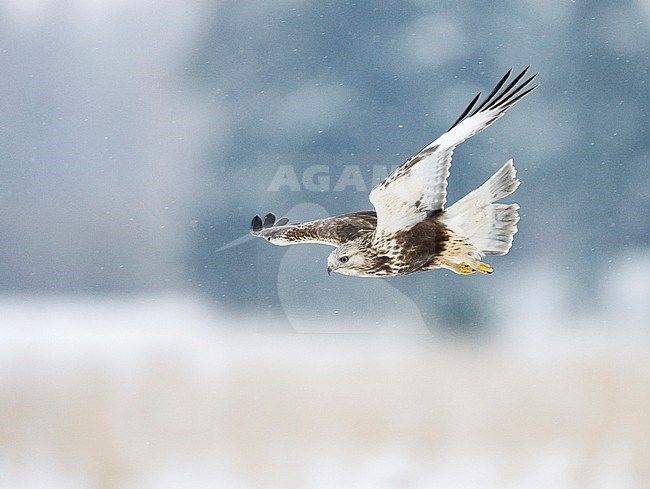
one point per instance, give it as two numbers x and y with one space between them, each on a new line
410 230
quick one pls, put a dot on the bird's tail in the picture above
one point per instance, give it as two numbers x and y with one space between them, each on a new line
491 227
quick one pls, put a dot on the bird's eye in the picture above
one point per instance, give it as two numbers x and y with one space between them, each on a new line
344 259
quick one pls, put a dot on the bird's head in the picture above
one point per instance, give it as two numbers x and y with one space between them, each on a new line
348 259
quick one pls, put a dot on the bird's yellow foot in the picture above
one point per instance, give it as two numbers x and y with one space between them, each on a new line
484 267
463 268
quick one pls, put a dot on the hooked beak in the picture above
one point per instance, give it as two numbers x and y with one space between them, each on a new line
329 270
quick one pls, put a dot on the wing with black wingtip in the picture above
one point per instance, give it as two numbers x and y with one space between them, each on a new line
331 231
418 187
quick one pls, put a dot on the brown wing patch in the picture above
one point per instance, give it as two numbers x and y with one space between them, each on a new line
331 230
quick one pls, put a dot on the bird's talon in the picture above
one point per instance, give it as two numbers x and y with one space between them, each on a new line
484 267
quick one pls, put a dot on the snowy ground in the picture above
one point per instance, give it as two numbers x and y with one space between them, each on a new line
162 394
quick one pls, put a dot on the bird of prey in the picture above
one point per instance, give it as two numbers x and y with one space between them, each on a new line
410 229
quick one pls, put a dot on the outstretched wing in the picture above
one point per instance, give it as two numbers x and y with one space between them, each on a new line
330 231
418 187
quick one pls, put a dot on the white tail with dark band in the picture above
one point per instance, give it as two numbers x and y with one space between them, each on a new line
491 227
